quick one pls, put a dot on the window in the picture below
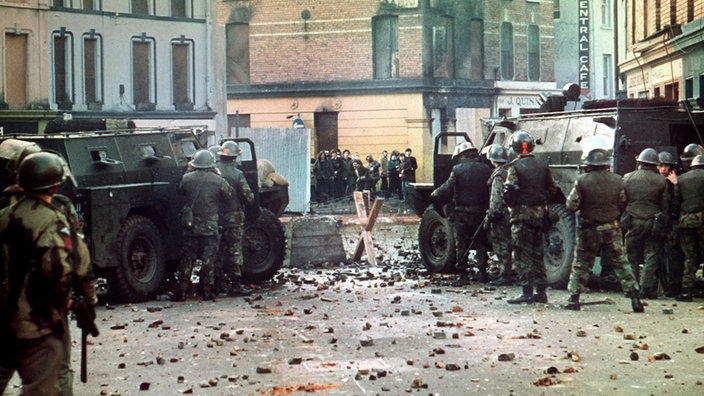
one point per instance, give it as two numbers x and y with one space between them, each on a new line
657 16
143 88
237 53
607 72
140 7
506 48
533 53
442 55
88 5
182 74
476 49
15 71
689 88
178 8
63 70
385 46
606 13
92 70
556 9
60 3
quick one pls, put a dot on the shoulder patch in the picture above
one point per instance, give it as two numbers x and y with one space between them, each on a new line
65 234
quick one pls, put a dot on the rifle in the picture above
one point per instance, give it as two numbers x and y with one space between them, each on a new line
85 319
476 234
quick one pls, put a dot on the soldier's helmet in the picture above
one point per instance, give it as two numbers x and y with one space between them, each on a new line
665 157
230 149
690 151
39 171
595 151
203 159
497 153
463 148
522 142
648 156
215 150
14 151
698 161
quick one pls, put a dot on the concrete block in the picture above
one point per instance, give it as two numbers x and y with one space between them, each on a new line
316 240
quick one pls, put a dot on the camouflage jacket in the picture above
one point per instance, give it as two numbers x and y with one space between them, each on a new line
242 194
37 248
208 193
497 206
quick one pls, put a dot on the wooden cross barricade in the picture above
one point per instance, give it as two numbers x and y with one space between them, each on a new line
367 218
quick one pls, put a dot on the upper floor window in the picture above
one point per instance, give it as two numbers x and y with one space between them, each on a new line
178 8
237 53
92 70
15 71
606 13
506 49
385 46
533 53
442 52
182 73
139 7
476 49
63 69
607 74
61 3
143 73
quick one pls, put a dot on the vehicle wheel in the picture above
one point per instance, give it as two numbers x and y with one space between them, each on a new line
263 247
436 242
141 268
558 246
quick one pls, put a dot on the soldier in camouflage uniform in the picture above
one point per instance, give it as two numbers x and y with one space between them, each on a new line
44 262
528 186
599 196
645 219
206 193
672 257
467 188
232 220
497 217
691 193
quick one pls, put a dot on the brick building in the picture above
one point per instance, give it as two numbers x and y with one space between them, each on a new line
665 49
370 75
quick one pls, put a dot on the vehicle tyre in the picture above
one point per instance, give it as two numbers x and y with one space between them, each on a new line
436 242
558 245
141 268
263 247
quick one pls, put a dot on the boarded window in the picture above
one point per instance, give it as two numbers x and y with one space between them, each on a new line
141 72
92 74
476 49
442 57
16 71
181 65
178 8
533 53
140 7
506 45
385 46
63 84
237 53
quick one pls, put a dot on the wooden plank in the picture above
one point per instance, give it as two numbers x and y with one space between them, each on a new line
359 205
369 247
376 208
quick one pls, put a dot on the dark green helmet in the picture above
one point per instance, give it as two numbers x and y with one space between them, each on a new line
648 156
215 150
39 171
690 151
698 161
522 143
497 153
203 159
230 149
666 158
597 157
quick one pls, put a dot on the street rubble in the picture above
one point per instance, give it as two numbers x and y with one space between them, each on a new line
354 329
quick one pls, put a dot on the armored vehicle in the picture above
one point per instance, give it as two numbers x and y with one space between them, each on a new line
629 126
125 192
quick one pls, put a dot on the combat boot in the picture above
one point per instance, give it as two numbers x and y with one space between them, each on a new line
481 276
463 279
237 289
179 294
526 297
208 294
636 304
505 279
540 295
686 296
573 303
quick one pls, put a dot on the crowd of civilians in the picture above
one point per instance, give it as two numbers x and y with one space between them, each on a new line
336 174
